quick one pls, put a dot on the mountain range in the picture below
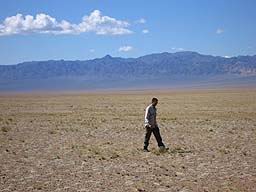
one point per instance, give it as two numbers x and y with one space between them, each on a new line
180 69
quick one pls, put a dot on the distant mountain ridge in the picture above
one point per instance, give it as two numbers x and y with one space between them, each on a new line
107 72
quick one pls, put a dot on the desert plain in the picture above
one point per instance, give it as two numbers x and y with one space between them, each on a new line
92 141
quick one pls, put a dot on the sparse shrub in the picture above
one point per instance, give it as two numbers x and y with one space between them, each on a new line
52 132
114 156
174 118
224 151
156 152
6 128
102 158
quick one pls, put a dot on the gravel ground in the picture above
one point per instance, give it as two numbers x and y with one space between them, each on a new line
93 141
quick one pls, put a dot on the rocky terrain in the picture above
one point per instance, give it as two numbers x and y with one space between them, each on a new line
93 141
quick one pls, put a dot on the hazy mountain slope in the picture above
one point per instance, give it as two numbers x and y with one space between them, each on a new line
110 72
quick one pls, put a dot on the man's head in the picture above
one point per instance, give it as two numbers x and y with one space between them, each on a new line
154 101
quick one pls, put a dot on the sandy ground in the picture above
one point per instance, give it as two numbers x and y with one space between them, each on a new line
93 142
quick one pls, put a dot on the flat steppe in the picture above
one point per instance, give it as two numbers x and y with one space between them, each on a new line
78 141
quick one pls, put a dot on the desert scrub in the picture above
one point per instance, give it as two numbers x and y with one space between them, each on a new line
52 132
5 129
97 152
169 118
180 150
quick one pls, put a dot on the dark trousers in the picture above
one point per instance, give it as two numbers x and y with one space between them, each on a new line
157 135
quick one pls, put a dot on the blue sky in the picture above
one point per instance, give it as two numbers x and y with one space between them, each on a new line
127 28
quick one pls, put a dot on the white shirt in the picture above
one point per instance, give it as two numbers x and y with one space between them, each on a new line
150 116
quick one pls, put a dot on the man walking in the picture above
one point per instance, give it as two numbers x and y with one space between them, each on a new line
152 126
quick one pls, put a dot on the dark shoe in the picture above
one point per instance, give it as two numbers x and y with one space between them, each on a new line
145 150
163 148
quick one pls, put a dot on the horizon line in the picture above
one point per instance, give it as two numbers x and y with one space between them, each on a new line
109 55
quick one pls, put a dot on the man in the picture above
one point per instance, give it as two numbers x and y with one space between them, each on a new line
151 126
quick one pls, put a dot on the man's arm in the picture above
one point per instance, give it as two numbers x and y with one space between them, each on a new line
147 113
156 122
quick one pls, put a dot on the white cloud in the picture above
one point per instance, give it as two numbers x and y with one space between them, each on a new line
141 21
92 50
42 23
145 31
227 56
103 25
219 31
125 48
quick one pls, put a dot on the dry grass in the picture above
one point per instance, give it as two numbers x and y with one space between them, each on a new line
93 142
